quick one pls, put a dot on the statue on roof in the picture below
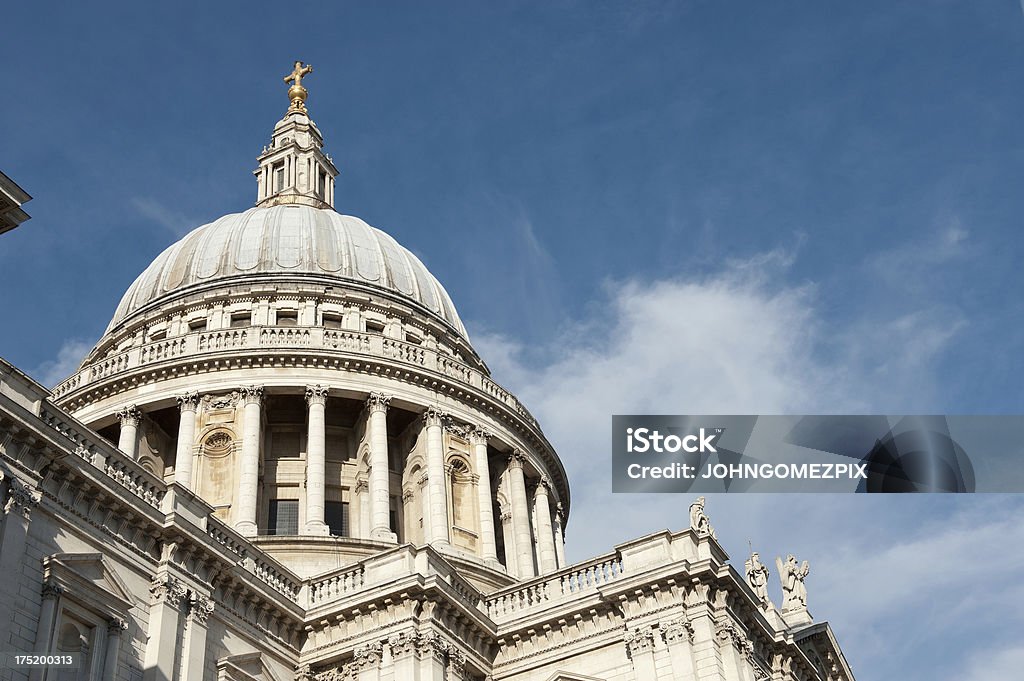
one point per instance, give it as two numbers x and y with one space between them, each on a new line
792 575
757 576
699 521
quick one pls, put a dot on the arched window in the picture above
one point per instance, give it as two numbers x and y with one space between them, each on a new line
460 491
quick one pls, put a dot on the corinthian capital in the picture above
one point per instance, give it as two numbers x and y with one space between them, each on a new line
251 394
200 608
378 402
434 417
479 436
129 416
21 498
316 394
167 589
516 459
188 401
639 640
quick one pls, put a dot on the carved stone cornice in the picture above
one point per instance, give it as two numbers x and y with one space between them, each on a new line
639 641
378 402
21 498
316 394
188 401
129 416
167 589
434 417
200 608
251 394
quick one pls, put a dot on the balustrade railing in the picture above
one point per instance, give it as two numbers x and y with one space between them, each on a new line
314 337
339 583
568 583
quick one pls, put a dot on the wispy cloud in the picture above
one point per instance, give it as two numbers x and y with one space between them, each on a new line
175 222
69 357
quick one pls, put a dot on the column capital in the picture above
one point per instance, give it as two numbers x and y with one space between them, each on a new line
434 417
378 402
251 394
200 608
130 415
316 394
478 436
167 589
516 459
543 485
362 485
21 498
188 401
639 640
51 590
115 626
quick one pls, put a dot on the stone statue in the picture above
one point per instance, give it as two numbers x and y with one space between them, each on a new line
792 575
757 576
699 521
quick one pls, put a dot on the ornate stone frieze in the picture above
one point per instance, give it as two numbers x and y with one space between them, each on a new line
213 402
367 656
316 394
167 589
303 673
378 402
188 401
639 641
251 394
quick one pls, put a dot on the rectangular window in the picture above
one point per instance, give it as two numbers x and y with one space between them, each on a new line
284 517
197 325
332 321
374 327
336 517
241 319
287 318
278 177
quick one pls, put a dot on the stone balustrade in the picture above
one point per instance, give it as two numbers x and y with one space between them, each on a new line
200 343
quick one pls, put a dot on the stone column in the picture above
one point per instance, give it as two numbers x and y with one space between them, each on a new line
488 545
316 461
520 515
437 489
640 648
559 530
545 535
188 404
19 501
193 654
168 595
249 471
51 593
707 654
678 637
363 493
380 475
128 442
115 628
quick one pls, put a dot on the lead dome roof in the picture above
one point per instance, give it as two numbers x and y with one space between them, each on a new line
288 242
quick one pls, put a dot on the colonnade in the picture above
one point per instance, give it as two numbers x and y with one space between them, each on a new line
534 544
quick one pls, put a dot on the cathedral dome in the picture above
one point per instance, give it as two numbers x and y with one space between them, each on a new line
288 242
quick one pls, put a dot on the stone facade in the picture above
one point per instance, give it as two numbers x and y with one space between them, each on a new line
284 460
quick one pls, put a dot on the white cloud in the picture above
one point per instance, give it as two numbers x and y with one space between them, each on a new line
988 665
175 222
69 357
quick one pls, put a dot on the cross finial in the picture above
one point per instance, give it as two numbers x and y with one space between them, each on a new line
296 93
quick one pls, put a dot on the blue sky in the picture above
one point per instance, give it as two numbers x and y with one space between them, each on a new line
671 207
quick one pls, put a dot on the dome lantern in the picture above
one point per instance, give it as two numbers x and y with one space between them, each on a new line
294 169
